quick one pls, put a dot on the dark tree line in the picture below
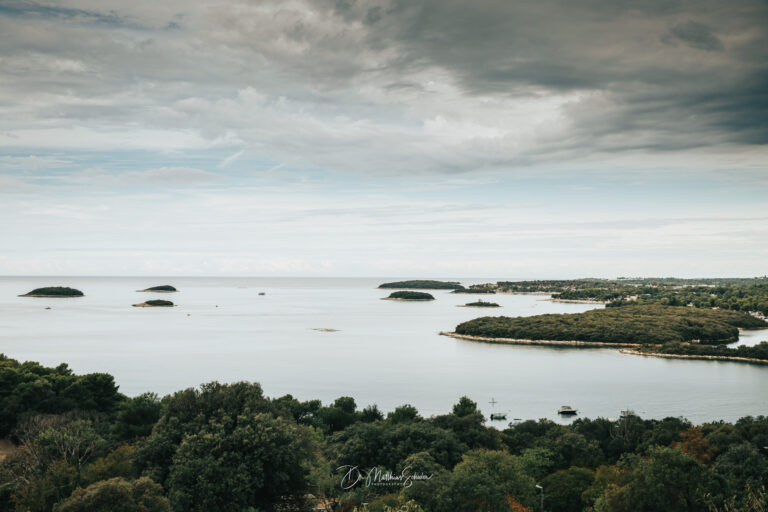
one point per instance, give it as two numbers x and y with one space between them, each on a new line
230 447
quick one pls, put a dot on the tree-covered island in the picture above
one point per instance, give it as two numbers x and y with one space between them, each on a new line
74 443
481 304
157 303
422 284
164 288
406 295
682 330
54 291
475 290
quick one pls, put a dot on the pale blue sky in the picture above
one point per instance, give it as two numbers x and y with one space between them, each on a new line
383 138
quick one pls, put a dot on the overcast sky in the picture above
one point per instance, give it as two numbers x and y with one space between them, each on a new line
384 138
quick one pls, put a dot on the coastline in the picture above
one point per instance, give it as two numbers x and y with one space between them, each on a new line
577 301
622 347
694 356
406 300
515 341
51 296
158 291
524 293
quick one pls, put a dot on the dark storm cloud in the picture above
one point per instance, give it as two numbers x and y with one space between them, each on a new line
625 50
396 85
695 35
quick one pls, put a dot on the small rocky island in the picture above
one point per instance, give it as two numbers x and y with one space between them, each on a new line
155 304
481 304
405 295
474 290
165 288
54 291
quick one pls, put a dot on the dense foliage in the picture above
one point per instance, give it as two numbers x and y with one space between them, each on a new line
759 351
405 295
423 284
738 294
631 324
28 389
159 302
57 291
162 288
229 447
482 304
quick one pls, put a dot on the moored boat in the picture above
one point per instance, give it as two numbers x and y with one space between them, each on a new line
567 410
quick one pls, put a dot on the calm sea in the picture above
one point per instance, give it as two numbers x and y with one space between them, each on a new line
384 352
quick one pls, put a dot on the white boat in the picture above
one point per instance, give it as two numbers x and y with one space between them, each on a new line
567 409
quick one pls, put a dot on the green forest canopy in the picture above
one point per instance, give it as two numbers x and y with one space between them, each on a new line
161 288
631 324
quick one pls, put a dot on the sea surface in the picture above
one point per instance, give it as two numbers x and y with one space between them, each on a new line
387 353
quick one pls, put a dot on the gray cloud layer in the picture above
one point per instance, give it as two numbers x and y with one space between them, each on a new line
387 86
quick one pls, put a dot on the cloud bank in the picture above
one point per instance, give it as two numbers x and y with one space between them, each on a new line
321 136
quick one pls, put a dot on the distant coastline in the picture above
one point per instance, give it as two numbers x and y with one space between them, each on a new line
578 301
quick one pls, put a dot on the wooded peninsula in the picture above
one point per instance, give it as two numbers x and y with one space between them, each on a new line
667 317
631 324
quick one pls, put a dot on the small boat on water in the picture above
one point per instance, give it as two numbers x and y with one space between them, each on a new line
515 422
567 410
498 416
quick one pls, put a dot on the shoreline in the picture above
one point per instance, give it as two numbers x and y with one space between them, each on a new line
525 293
406 300
623 348
467 306
158 291
695 356
516 341
577 301
51 296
